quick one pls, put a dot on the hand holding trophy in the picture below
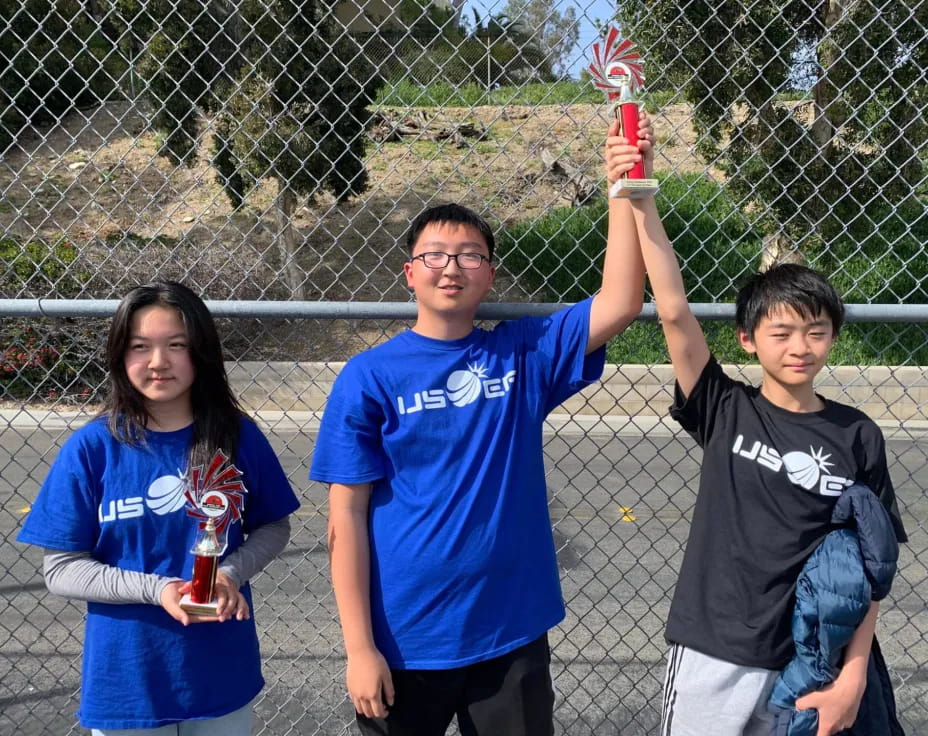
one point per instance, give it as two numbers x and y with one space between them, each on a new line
617 70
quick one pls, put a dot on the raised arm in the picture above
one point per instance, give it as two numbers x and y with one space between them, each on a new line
368 678
619 299
686 343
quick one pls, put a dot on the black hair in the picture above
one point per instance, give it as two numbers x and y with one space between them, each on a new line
216 411
453 214
802 289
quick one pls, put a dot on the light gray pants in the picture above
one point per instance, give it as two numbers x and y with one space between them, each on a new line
704 695
236 723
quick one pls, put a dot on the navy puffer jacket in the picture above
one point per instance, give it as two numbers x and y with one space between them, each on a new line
854 565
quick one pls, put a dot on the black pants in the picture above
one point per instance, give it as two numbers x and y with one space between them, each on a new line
511 695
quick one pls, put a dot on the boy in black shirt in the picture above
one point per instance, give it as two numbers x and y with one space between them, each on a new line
775 458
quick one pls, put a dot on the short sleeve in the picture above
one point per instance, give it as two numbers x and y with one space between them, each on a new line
349 447
64 514
698 412
875 475
270 496
560 341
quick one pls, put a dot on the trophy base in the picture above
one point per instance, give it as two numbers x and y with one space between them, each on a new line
199 609
633 188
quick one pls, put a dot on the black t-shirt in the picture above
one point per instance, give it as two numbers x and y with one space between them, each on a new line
769 480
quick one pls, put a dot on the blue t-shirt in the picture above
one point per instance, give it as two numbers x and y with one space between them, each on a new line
125 505
463 566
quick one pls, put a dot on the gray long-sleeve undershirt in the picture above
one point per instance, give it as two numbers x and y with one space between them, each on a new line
79 576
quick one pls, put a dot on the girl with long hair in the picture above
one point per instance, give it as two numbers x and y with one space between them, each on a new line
124 503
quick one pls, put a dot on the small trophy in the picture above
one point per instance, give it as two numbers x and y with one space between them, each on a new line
215 497
617 71
206 553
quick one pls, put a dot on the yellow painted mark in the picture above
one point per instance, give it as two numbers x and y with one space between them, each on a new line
628 514
25 510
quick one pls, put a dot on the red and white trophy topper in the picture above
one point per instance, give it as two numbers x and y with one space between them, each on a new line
215 498
617 71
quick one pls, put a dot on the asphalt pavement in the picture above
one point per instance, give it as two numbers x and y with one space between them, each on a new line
620 499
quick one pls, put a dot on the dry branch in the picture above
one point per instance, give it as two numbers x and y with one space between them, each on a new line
577 185
390 127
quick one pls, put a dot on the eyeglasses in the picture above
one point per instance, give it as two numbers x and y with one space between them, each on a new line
440 260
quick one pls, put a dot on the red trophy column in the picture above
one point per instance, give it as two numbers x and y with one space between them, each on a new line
628 117
205 563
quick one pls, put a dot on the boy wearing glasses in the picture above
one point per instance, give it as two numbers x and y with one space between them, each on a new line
442 556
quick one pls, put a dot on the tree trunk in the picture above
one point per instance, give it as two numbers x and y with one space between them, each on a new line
584 189
287 242
824 124
778 249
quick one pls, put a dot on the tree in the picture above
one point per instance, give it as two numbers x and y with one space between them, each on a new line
552 32
54 56
181 52
810 171
424 20
427 43
274 76
510 54
295 112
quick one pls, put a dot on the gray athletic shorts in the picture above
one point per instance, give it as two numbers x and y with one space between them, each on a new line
704 695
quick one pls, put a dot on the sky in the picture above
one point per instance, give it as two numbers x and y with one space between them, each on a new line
587 11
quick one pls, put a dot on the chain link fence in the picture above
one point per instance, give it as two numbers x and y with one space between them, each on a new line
272 153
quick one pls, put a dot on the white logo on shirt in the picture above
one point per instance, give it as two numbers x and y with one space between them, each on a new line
165 496
462 388
123 508
804 470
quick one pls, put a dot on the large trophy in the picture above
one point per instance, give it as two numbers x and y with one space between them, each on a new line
617 71
215 498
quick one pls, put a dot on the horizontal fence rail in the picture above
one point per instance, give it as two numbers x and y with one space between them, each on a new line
875 313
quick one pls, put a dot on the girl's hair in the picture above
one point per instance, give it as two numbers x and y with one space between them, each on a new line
216 411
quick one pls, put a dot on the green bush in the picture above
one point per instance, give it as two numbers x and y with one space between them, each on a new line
715 245
25 362
560 255
42 358
37 269
881 259
858 344
406 93
51 361
558 258
440 94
